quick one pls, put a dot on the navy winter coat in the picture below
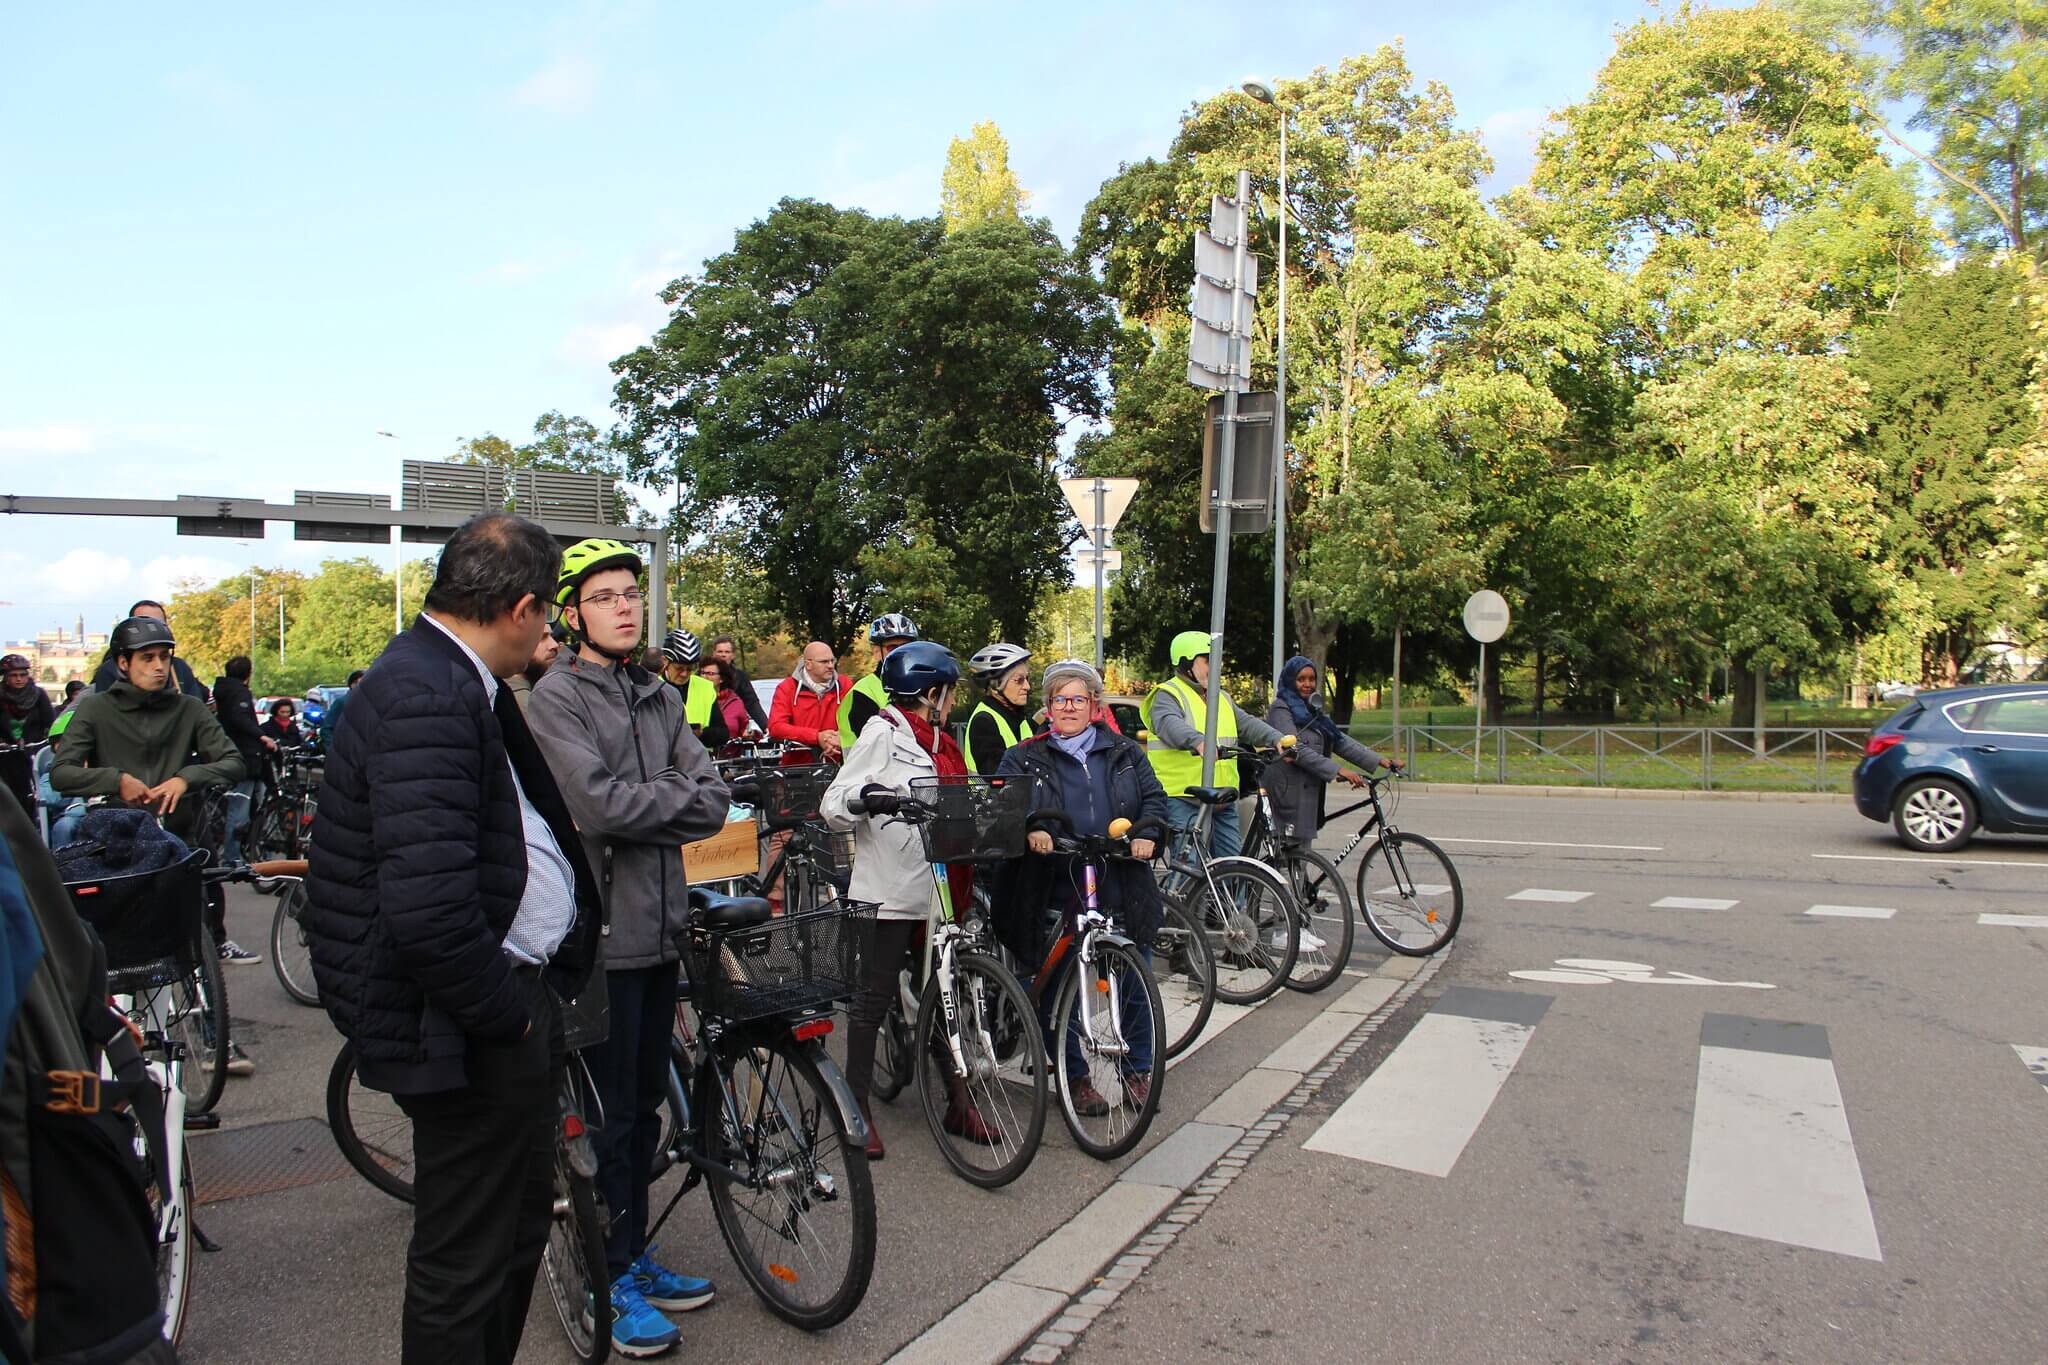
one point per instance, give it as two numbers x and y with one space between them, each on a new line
419 864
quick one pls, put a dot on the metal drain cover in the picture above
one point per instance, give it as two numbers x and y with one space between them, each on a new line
262 1158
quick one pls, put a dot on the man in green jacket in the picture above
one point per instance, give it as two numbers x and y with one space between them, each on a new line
148 744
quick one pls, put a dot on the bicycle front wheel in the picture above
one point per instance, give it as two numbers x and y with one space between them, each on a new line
800 1223
290 955
1107 1027
1409 894
1244 909
198 998
578 1279
1326 926
988 1122
373 1133
892 1055
1184 974
174 1248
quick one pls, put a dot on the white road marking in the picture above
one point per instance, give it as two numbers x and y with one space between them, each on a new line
1545 843
2015 921
1852 911
1538 893
1594 971
1771 1151
1692 903
2036 1059
1421 1107
1932 859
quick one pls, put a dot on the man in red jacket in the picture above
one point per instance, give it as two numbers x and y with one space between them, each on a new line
806 706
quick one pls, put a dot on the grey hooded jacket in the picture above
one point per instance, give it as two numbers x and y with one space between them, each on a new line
639 785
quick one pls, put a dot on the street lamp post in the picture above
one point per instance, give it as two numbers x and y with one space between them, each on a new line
1266 93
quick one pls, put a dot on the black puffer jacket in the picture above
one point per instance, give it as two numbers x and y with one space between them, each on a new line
419 864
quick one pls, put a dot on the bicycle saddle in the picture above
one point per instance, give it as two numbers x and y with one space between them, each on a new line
1212 796
728 912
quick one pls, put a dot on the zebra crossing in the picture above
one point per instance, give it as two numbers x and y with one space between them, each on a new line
1770 1156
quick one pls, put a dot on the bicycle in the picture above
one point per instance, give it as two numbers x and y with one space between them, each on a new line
974 1048
1241 905
291 956
1320 896
785 801
1408 892
160 1146
759 1110
281 828
1101 976
372 1133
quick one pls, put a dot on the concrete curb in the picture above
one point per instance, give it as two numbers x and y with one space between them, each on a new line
1627 793
1042 1303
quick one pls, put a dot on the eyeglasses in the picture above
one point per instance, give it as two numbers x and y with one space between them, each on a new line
1067 703
605 601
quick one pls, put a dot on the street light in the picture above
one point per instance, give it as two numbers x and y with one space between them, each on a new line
397 567
1265 92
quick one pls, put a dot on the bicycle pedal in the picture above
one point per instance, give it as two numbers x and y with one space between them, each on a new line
202 1123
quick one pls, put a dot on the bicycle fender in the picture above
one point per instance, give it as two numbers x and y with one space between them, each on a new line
841 1092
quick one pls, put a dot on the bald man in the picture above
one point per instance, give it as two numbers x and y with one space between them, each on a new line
806 706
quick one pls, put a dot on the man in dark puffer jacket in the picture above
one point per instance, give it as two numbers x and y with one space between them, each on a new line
451 906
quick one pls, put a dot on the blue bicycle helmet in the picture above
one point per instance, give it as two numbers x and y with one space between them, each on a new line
914 669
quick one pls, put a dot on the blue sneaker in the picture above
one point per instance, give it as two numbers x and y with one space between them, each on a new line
637 1329
665 1288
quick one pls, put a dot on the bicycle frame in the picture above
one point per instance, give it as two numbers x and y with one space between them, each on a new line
1377 825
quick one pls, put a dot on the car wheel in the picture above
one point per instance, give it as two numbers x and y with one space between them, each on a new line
1934 816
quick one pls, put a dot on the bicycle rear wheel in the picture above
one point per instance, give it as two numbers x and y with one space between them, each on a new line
1326 922
1409 894
198 1002
1108 1018
1244 909
290 955
578 1279
1184 973
373 1133
988 1123
801 1224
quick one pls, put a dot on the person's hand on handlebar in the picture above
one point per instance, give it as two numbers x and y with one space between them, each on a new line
1143 849
1356 779
879 800
1038 841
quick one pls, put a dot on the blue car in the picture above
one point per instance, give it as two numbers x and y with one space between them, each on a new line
1957 761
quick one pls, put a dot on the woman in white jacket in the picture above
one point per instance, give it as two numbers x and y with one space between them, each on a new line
903 741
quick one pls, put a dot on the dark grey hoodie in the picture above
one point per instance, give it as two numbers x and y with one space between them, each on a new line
638 785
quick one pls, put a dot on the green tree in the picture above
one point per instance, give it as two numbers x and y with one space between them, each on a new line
978 185
865 412
1948 372
562 445
1976 75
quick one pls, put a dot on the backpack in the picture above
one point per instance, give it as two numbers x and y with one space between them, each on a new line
80 1243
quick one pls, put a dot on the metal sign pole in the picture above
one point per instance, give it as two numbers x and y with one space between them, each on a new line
1101 534
1280 432
1478 710
1226 490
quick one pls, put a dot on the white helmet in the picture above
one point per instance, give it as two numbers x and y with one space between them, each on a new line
992 661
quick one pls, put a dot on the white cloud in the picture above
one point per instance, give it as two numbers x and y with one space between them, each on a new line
51 438
565 85
162 575
84 572
598 344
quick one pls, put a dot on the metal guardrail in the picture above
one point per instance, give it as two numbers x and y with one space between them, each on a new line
1802 758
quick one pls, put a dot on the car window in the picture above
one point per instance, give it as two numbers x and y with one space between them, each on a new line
1969 715
2016 716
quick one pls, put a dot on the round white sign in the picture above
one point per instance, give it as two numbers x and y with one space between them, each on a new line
1486 616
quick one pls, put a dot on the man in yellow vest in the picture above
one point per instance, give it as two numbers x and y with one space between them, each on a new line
866 697
680 654
1003 718
1176 716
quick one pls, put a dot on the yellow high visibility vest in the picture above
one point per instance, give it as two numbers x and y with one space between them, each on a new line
1003 728
870 686
1179 769
698 699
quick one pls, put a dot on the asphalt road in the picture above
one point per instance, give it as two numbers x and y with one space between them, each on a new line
1629 1179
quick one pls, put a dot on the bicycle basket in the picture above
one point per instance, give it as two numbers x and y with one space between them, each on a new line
799 961
790 796
976 820
145 917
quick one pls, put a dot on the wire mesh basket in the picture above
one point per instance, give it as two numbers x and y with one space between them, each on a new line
975 820
787 797
798 961
145 917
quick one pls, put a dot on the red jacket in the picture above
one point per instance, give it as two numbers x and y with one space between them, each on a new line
797 714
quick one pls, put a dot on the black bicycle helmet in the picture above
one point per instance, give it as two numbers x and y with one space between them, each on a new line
141 632
681 647
914 669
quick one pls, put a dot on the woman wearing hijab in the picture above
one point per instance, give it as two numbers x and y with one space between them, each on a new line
1296 789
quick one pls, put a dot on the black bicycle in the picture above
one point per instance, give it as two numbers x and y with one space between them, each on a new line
1408 892
281 828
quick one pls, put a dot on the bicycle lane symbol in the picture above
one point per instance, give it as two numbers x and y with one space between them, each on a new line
1594 971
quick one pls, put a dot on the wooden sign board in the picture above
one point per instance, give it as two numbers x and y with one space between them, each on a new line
734 851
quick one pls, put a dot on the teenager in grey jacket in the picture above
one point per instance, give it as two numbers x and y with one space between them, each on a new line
1296 788
638 784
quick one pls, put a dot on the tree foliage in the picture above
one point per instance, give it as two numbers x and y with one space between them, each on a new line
978 185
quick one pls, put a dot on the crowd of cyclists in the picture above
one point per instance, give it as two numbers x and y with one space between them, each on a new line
630 735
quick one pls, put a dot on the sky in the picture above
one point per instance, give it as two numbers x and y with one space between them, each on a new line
237 242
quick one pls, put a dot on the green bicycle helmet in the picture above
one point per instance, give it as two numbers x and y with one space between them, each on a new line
586 557
1188 646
